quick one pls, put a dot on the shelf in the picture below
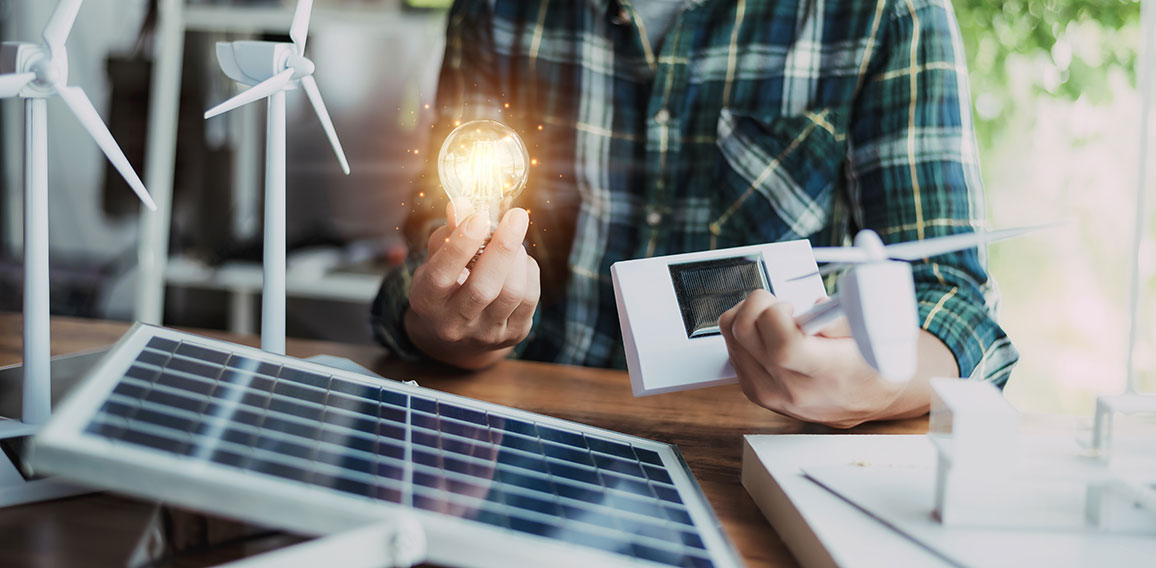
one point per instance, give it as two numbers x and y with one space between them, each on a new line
275 19
242 277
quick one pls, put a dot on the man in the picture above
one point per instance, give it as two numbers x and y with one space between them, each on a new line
663 127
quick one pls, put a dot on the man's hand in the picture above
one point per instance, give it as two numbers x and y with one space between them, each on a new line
821 378
473 318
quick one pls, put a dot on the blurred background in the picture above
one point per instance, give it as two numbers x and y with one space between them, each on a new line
1053 91
1057 110
377 66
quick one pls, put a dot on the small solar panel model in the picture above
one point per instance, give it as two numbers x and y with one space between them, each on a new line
876 294
386 472
668 308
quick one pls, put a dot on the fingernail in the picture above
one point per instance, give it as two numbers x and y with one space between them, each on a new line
477 227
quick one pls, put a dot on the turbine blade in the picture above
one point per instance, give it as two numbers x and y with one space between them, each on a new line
12 83
314 95
820 316
58 28
833 267
916 250
256 93
78 102
844 255
299 29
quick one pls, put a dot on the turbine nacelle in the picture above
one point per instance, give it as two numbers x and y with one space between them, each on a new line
254 62
273 67
30 70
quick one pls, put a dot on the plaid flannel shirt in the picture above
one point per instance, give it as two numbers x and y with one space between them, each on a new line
756 121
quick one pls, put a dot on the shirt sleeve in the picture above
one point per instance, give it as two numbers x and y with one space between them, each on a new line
466 91
913 173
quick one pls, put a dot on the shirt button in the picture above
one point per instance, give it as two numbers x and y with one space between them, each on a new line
662 116
653 218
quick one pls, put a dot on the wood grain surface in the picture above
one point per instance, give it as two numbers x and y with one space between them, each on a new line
707 426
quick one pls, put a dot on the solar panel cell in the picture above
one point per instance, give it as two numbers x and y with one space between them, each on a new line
356 405
649 456
197 368
585 475
253 365
657 474
202 353
429 406
153 358
555 435
168 399
315 380
620 466
184 383
162 344
512 425
668 494
568 454
143 372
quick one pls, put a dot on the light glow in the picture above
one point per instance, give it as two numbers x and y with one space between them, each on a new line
483 166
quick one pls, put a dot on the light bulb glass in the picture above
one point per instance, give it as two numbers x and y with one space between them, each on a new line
483 166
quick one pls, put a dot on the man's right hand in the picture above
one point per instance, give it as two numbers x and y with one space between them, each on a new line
472 318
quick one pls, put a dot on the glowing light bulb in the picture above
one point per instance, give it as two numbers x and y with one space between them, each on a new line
483 166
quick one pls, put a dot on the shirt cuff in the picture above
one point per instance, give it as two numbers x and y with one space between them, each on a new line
387 315
964 323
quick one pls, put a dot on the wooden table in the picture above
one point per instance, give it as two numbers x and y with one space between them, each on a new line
707 425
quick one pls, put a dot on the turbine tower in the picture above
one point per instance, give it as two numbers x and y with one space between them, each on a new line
273 68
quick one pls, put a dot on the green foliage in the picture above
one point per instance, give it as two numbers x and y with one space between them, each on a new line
1022 49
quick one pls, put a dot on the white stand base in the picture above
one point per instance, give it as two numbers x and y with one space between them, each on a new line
14 488
394 543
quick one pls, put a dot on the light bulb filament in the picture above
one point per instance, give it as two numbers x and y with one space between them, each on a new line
485 172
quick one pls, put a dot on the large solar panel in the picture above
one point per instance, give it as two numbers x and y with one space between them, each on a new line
272 439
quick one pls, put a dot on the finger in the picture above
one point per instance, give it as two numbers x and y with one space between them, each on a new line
443 268
510 297
726 322
837 329
451 214
781 336
438 238
746 333
494 266
523 317
754 380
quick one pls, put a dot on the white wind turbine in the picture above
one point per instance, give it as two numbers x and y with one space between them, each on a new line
877 295
273 68
35 72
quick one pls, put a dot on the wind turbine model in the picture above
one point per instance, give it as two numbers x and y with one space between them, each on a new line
35 72
273 68
878 294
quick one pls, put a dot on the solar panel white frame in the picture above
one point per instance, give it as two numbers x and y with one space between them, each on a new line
64 448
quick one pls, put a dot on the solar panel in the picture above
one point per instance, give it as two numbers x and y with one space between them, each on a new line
239 432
